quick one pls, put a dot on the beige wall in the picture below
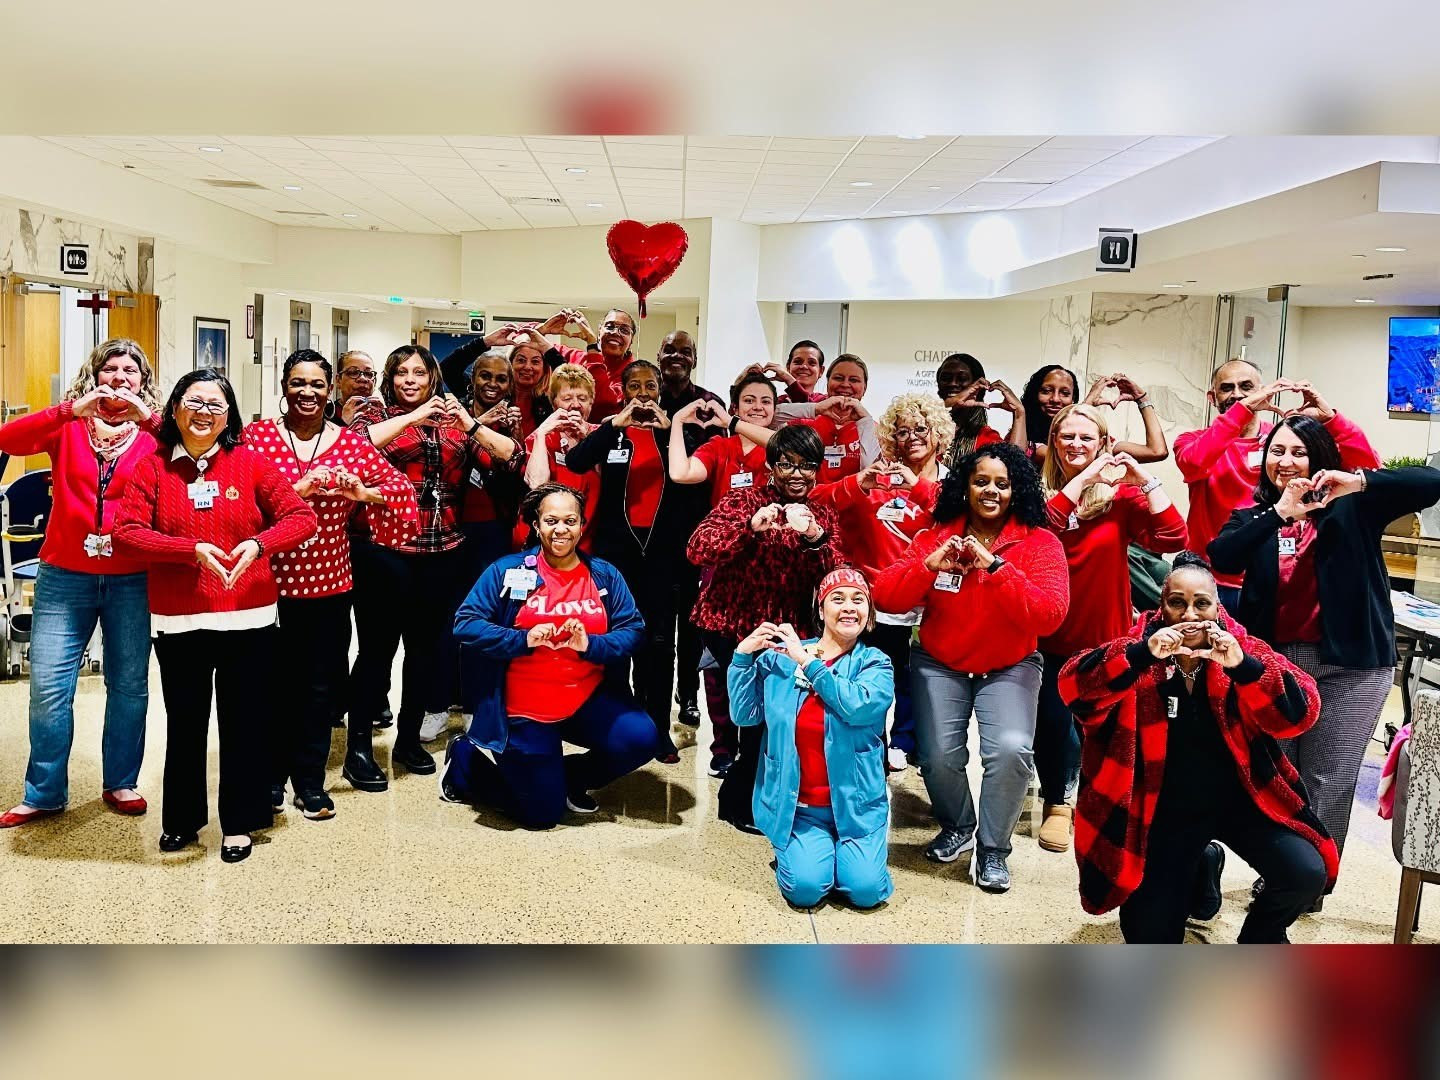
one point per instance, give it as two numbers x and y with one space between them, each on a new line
1345 353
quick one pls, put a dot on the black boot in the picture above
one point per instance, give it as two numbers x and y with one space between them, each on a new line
360 768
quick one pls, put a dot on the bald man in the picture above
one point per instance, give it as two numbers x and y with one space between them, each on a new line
1221 464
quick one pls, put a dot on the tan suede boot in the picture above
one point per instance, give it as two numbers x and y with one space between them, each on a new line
1055 829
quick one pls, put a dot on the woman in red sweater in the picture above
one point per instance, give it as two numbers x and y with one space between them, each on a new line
333 469
203 511
572 396
881 510
1101 502
991 577
95 437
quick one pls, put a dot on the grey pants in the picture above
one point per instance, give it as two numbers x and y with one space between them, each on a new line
1328 756
1004 705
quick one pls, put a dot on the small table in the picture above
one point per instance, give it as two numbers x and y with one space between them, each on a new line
1417 633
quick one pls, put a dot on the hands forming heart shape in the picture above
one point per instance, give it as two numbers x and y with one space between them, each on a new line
1115 472
230 566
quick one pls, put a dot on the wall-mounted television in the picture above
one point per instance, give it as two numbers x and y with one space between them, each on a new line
1414 378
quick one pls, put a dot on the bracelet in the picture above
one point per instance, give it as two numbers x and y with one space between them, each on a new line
260 547
1150 485
1144 403
1364 482
734 423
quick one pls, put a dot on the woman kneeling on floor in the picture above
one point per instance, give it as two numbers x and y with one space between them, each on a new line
820 790
1189 687
545 636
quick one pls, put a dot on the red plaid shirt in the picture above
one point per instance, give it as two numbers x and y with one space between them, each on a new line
1113 691
436 461
756 577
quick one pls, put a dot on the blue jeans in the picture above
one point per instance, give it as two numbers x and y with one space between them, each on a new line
67 606
531 777
817 862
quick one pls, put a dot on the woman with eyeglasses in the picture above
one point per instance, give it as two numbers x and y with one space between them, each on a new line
639 529
430 437
1100 502
606 357
207 515
95 438
336 472
881 510
766 548
523 351
354 385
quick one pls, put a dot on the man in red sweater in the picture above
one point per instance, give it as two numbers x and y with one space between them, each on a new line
1221 464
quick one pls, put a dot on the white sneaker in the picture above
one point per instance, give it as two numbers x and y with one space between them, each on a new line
434 725
895 760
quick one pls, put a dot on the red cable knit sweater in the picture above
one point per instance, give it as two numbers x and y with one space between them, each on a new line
159 524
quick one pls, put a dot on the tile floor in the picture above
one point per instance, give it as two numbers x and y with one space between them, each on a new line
653 866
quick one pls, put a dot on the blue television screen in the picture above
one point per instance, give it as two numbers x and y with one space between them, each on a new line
1414 365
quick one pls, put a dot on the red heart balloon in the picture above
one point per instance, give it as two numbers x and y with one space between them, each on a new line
646 255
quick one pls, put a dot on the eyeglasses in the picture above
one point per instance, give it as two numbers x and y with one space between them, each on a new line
918 432
617 328
359 374
214 408
803 468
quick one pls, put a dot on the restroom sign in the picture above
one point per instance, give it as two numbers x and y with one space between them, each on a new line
1116 252
74 259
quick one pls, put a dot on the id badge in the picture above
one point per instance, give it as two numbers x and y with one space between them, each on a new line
834 456
741 480
99 546
560 458
1252 459
477 478
948 582
1172 707
1287 545
519 582
202 493
891 511
618 456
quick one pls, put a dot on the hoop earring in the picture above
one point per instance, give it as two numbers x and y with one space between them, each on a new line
284 406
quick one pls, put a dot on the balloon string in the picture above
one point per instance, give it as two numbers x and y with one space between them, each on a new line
642 307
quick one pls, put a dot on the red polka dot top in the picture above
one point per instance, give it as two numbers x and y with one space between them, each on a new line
321 566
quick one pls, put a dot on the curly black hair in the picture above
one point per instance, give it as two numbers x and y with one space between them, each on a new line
1027 495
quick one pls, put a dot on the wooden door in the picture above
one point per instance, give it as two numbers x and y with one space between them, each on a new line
40 348
12 361
137 316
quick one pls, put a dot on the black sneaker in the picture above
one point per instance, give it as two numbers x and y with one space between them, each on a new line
988 870
690 713
948 845
1205 896
448 791
387 718
581 802
720 765
277 798
315 805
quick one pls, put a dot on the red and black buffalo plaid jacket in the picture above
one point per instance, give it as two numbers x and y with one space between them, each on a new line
1113 690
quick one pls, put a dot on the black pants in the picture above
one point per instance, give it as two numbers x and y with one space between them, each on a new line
1057 739
688 645
652 583
411 598
314 652
1293 871
235 668
734 801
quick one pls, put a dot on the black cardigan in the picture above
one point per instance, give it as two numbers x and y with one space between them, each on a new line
1356 618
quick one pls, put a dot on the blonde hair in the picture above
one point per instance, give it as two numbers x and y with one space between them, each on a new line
570 377
86 377
932 413
1096 498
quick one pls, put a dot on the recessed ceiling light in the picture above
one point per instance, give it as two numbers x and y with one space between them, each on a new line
349 215
897 211
292 187
211 149
577 170
861 183
913 138
1392 249
282 294
1177 285
595 205
934 187
1364 300
1357 256
364 311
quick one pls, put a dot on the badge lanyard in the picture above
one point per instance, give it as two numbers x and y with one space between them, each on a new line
98 544
305 469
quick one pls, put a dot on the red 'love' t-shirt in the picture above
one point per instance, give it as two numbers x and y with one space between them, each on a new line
548 684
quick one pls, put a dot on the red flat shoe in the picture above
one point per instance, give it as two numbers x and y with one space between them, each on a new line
131 807
10 819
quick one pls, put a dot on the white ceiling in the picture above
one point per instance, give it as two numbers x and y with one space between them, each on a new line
462 183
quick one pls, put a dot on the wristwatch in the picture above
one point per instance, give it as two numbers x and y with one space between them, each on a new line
734 423
995 565
1150 485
